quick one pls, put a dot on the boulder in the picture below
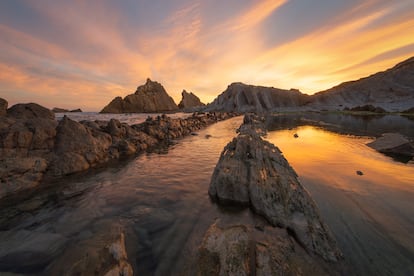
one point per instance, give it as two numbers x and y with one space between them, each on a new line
189 100
232 249
103 253
3 107
150 97
30 111
393 143
78 147
254 173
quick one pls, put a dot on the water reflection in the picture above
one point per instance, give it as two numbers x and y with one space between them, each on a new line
161 199
372 215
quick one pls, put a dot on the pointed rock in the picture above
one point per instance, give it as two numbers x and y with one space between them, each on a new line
150 97
189 100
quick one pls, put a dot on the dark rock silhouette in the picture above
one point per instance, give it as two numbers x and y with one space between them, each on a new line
367 108
3 107
150 97
30 111
189 100
62 110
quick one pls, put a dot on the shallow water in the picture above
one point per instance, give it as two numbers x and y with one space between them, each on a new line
161 201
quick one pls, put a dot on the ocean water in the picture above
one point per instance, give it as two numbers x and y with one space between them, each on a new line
160 198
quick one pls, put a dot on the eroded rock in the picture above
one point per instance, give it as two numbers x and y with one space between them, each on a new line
253 172
189 100
394 144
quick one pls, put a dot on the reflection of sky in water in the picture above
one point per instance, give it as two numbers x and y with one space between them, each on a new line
371 215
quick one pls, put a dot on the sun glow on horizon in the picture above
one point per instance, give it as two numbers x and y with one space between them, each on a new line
83 54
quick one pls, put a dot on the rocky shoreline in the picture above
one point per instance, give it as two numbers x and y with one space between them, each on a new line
34 145
291 239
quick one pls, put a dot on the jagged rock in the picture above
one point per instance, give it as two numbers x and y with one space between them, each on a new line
243 250
253 172
30 111
189 100
150 97
104 253
3 107
393 143
78 147
239 97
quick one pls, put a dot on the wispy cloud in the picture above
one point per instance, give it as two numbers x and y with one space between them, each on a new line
91 51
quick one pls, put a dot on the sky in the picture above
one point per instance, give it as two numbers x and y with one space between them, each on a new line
83 53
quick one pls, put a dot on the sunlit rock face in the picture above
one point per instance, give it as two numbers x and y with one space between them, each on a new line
254 173
240 97
150 97
189 100
392 89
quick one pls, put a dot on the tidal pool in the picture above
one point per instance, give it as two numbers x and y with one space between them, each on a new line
160 199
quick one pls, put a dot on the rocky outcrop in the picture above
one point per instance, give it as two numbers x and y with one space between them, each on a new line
104 253
62 110
189 100
236 249
253 172
393 144
34 145
150 97
30 111
3 107
239 97
392 89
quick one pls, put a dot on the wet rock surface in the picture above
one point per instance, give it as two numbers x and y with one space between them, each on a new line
34 145
252 172
393 144
237 249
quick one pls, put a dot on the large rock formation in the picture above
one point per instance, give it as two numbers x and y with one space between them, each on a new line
150 97
392 89
394 144
3 107
189 100
240 97
254 173
33 144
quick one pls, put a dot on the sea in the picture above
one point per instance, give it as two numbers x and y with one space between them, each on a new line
160 198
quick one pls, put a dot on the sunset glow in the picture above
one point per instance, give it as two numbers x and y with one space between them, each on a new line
81 54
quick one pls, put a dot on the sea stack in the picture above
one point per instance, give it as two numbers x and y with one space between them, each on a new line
150 97
189 100
3 107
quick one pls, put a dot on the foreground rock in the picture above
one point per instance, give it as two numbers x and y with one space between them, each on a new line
254 173
150 97
34 145
3 107
236 249
189 101
393 144
103 253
